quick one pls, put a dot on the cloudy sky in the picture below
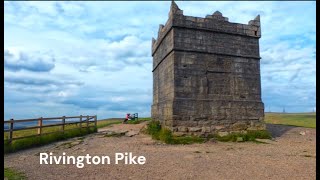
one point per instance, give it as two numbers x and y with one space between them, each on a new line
72 58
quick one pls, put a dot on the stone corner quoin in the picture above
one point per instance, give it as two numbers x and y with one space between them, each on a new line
206 74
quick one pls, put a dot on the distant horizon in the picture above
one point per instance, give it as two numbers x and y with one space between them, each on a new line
150 116
67 58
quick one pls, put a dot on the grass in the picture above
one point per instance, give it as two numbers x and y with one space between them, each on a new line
29 142
28 132
108 122
153 129
25 143
12 174
140 120
293 119
165 135
71 144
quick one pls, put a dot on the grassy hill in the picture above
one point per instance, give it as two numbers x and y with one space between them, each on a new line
45 139
294 119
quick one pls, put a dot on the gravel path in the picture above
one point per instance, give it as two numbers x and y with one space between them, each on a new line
291 155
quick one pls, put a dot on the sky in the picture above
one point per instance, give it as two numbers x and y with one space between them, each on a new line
94 58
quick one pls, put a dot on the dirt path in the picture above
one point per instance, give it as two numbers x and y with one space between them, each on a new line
291 155
127 129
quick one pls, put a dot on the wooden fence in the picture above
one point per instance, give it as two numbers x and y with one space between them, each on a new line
86 120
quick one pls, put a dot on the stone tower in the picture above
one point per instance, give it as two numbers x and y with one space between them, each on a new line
206 74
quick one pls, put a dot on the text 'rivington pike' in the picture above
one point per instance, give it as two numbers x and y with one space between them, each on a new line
79 161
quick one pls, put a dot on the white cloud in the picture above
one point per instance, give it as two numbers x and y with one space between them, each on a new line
118 99
102 59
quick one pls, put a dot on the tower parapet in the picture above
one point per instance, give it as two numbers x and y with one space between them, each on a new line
215 22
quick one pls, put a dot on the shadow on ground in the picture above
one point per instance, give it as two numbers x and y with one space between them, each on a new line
277 130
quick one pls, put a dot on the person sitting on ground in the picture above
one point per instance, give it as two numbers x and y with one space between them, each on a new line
128 117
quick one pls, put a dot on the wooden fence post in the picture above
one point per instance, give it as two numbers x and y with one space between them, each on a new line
63 122
80 122
95 121
87 122
40 124
9 138
11 131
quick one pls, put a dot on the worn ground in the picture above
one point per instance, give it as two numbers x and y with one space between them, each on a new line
290 155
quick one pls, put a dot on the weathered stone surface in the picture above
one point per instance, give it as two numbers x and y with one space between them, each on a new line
239 126
206 74
206 129
302 133
241 132
182 129
217 127
179 134
223 133
194 129
132 133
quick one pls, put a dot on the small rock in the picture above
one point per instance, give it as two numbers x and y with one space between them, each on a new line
302 133
109 132
74 143
206 129
239 126
179 134
182 129
131 133
268 141
194 129
212 140
218 127
223 133
23 157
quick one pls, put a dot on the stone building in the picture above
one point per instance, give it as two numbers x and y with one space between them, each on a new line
206 74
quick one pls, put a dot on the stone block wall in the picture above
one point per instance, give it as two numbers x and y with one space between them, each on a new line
206 74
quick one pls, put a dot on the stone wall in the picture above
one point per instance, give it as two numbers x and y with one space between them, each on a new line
206 74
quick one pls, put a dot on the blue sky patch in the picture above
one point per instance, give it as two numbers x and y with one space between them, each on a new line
72 58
